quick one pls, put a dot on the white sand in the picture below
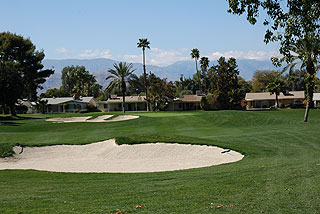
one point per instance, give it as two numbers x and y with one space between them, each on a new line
69 119
102 118
122 118
107 156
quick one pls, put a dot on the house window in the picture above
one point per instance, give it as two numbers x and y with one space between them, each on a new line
105 105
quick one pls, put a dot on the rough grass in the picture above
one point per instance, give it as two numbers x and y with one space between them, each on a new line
279 174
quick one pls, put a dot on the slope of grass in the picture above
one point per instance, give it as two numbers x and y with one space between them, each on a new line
279 174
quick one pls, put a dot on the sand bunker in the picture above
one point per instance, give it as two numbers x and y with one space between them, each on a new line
103 118
107 156
123 117
69 119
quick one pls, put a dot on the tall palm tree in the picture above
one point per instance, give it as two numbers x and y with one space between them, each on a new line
307 53
120 75
204 64
144 43
195 54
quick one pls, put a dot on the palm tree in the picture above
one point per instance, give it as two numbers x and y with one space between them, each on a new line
196 55
120 75
276 86
204 64
144 43
307 52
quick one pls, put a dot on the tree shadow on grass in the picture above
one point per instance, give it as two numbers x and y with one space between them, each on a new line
12 121
10 118
10 124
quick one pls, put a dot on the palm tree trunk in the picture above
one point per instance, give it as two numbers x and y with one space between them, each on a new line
198 74
145 77
123 103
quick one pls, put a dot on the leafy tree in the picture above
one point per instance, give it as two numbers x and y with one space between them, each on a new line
276 86
227 93
296 25
54 92
21 71
144 43
120 75
245 87
184 86
161 92
195 54
212 79
261 79
136 85
294 80
204 64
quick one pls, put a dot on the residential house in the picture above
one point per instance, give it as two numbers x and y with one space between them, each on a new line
114 103
68 104
187 102
316 99
265 100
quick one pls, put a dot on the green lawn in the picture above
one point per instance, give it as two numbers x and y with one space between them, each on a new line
279 174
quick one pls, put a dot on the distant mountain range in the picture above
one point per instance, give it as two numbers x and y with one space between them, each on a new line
99 68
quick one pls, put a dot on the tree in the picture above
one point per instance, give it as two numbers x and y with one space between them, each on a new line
54 92
294 80
227 93
195 54
261 79
76 80
21 71
276 86
136 85
161 92
120 75
307 52
295 25
144 43
245 87
204 64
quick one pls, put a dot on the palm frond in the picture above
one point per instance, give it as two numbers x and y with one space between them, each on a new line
290 67
113 84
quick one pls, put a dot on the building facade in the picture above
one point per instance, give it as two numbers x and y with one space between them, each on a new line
265 100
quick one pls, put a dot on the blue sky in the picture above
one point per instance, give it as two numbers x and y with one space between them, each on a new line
111 29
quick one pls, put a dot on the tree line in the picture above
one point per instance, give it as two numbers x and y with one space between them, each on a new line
21 74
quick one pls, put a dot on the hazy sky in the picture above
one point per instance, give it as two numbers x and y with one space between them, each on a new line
110 29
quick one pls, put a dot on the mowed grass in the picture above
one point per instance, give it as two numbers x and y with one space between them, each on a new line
279 174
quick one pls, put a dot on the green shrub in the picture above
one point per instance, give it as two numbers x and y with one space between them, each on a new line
209 102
